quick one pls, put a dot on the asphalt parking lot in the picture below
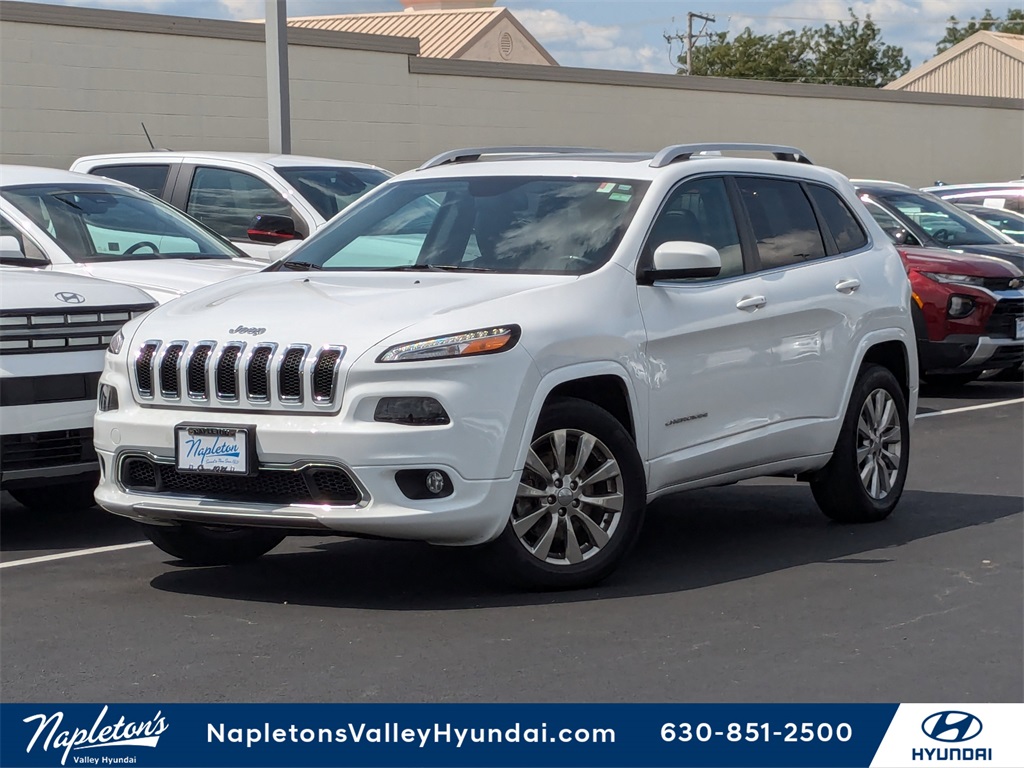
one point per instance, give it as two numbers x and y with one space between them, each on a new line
745 593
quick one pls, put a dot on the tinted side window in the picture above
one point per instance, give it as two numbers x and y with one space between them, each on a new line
890 224
148 178
227 200
843 225
782 220
699 211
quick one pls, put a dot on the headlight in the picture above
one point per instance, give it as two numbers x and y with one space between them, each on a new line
485 341
116 342
957 279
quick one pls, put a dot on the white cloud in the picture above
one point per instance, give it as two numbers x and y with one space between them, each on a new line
550 26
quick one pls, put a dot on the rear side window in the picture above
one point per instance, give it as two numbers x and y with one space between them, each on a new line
148 178
845 229
783 222
226 201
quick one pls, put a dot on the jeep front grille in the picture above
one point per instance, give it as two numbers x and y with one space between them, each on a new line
235 373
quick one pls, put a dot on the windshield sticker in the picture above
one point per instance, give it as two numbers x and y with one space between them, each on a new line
619 197
607 187
625 187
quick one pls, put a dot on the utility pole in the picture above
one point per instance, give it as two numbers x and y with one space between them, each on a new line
690 16
279 117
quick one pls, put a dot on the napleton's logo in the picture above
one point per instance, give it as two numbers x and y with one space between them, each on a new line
50 735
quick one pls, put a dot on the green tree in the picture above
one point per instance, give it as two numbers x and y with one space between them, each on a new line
848 53
958 31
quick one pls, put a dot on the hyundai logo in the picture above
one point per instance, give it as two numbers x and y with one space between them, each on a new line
70 298
1016 282
951 726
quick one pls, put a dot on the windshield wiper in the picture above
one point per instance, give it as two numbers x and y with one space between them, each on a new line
300 266
435 268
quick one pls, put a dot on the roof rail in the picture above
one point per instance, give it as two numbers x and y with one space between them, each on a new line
475 153
673 154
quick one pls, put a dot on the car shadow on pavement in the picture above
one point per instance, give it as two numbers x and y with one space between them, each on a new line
690 541
23 530
985 389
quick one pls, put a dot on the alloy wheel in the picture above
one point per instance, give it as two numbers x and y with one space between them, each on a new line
879 444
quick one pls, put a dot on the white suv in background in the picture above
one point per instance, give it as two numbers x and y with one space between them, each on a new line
254 200
522 348
53 330
94 227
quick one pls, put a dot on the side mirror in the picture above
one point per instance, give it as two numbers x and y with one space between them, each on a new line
10 249
681 259
270 228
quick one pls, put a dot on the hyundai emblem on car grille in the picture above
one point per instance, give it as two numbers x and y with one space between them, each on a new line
70 298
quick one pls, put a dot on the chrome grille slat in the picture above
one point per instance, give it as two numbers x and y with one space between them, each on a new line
257 375
227 370
167 366
289 373
144 368
238 373
197 369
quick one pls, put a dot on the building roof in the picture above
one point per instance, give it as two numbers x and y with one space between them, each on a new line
443 34
970 67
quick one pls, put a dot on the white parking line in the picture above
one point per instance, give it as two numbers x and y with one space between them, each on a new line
966 408
75 553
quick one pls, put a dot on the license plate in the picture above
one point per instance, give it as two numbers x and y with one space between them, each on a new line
226 450
1019 331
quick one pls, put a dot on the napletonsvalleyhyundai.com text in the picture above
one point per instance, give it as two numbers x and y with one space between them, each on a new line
394 733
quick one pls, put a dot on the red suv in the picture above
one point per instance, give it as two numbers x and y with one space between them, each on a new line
968 313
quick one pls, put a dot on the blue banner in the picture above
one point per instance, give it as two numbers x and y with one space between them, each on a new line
535 735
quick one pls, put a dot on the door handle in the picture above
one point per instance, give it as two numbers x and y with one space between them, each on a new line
848 286
751 302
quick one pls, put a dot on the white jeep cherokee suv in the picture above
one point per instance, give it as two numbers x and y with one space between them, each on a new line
521 348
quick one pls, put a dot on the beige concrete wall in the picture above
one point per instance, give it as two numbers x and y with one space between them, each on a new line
66 91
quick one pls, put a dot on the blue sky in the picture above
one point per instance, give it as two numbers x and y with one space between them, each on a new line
628 34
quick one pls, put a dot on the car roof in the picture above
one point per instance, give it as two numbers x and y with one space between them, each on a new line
618 165
874 186
253 158
18 175
979 187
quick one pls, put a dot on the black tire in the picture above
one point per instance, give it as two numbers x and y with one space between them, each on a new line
951 379
838 488
65 497
568 534
212 545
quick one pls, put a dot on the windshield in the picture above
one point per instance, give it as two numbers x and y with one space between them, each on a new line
94 223
942 221
509 224
331 190
1009 223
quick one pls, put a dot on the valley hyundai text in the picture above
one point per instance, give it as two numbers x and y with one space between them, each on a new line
521 348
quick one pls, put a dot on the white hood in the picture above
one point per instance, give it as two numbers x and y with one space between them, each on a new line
358 309
166 279
34 289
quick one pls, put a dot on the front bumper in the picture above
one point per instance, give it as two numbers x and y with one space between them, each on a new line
474 513
964 354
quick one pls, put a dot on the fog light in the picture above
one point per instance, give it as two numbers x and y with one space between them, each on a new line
435 482
960 306
424 483
416 411
107 399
